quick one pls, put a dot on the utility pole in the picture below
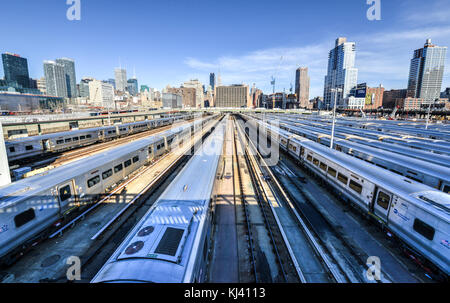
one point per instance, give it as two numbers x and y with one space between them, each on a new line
335 90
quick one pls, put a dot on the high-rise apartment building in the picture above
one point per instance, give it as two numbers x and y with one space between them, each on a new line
101 94
342 75
426 72
232 96
121 79
41 85
70 76
55 79
188 94
198 91
16 70
132 85
302 82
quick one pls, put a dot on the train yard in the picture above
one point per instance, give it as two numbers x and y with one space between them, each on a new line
237 198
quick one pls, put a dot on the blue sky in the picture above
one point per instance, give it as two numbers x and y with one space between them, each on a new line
171 41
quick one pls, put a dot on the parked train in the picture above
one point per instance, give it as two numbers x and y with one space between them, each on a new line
30 207
39 145
416 213
170 243
431 174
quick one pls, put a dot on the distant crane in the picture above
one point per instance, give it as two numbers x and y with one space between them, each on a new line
272 82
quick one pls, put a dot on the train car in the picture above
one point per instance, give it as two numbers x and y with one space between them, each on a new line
170 243
29 207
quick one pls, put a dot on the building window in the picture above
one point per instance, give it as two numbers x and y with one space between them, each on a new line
424 229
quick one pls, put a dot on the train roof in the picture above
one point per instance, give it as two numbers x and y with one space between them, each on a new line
159 248
17 191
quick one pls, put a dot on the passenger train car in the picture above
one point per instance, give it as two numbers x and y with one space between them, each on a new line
416 213
170 243
431 174
39 145
30 207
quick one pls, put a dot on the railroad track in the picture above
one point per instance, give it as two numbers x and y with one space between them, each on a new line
319 266
269 256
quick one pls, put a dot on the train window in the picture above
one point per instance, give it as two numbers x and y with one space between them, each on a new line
12 149
88 136
332 171
150 150
82 137
342 178
309 158
383 200
59 141
323 166
135 159
68 140
24 217
118 168
316 162
75 138
424 229
446 189
107 174
65 193
355 186
93 181
397 172
29 147
127 163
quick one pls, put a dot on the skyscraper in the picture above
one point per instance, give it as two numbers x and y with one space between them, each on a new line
426 72
70 76
302 81
212 80
55 79
16 70
342 73
133 87
121 79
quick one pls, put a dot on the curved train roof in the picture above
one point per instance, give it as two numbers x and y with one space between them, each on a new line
159 248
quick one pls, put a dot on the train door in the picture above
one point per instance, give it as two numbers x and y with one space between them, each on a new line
46 144
381 203
66 196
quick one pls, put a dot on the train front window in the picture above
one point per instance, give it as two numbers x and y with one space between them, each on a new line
65 193
383 199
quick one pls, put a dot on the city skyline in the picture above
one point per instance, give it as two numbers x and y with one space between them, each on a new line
383 51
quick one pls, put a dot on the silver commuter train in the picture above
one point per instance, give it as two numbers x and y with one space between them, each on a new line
170 243
29 207
417 214
27 147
